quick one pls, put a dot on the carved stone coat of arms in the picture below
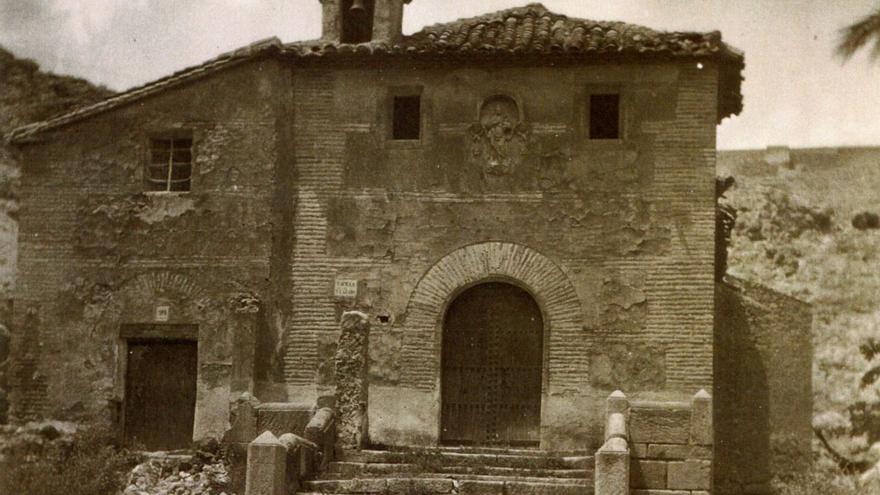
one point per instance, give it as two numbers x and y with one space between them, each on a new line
499 140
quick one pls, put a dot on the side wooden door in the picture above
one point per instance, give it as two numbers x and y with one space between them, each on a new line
160 394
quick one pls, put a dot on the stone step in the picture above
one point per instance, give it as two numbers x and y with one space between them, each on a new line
440 486
343 468
505 450
577 474
337 469
431 458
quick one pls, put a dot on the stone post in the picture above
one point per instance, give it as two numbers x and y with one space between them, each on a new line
612 460
612 468
300 453
331 26
266 466
321 430
694 473
388 23
243 321
351 379
701 419
243 430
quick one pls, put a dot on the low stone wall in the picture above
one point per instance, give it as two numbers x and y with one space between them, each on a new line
763 386
249 418
671 447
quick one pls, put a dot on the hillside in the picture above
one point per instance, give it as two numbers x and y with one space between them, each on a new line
28 94
795 234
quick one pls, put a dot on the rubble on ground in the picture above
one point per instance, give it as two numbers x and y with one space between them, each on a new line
29 439
179 474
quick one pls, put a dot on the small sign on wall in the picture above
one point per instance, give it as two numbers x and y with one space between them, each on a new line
345 287
162 313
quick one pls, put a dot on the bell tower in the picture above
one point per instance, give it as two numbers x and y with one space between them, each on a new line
362 21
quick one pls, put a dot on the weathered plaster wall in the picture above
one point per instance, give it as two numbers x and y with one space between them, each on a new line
296 185
628 223
763 387
96 252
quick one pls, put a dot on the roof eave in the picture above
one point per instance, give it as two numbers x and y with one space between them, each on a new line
28 133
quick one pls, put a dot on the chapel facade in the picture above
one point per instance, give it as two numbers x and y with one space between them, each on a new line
520 207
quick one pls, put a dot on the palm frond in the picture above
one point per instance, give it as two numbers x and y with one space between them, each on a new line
862 33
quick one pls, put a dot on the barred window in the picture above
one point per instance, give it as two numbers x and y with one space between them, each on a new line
605 116
407 117
170 167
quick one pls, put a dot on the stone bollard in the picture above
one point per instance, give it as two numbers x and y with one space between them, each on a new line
701 419
617 403
300 454
266 466
351 379
321 430
612 459
612 468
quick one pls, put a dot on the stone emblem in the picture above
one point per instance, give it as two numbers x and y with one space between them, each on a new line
500 138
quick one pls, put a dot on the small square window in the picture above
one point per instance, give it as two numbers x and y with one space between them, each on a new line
407 118
605 116
170 167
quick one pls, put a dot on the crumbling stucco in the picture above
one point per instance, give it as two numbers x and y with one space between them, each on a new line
351 379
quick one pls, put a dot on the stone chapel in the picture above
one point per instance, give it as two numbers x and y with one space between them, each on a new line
491 239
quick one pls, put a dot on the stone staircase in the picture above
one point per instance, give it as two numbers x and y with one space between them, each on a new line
456 470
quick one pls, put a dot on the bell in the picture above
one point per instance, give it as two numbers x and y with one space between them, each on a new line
357 7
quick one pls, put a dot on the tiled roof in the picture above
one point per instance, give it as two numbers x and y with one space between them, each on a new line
531 29
220 62
535 29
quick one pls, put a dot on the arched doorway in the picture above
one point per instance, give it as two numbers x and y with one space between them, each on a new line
492 358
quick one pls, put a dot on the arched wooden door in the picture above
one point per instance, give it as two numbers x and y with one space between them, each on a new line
492 367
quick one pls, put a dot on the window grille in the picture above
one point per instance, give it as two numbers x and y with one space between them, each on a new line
170 167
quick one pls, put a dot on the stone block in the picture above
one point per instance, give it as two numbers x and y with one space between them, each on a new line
701 419
639 450
647 474
470 487
281 418
678 452
612 468
537 488
368 485
690 475
659 423
662 492
266 466
398 486
434 486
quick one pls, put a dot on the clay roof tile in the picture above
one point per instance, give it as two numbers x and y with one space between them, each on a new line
531 29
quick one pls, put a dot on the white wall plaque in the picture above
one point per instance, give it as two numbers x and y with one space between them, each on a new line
162 313
345 287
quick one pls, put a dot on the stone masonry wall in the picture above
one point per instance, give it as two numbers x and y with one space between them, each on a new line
671 447
297 186
96 252
629 224
763 386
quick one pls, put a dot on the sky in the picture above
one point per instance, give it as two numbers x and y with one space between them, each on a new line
797 92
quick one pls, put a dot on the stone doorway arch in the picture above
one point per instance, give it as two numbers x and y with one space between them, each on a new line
470 265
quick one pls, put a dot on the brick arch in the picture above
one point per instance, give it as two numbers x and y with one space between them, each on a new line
138 296
464 267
